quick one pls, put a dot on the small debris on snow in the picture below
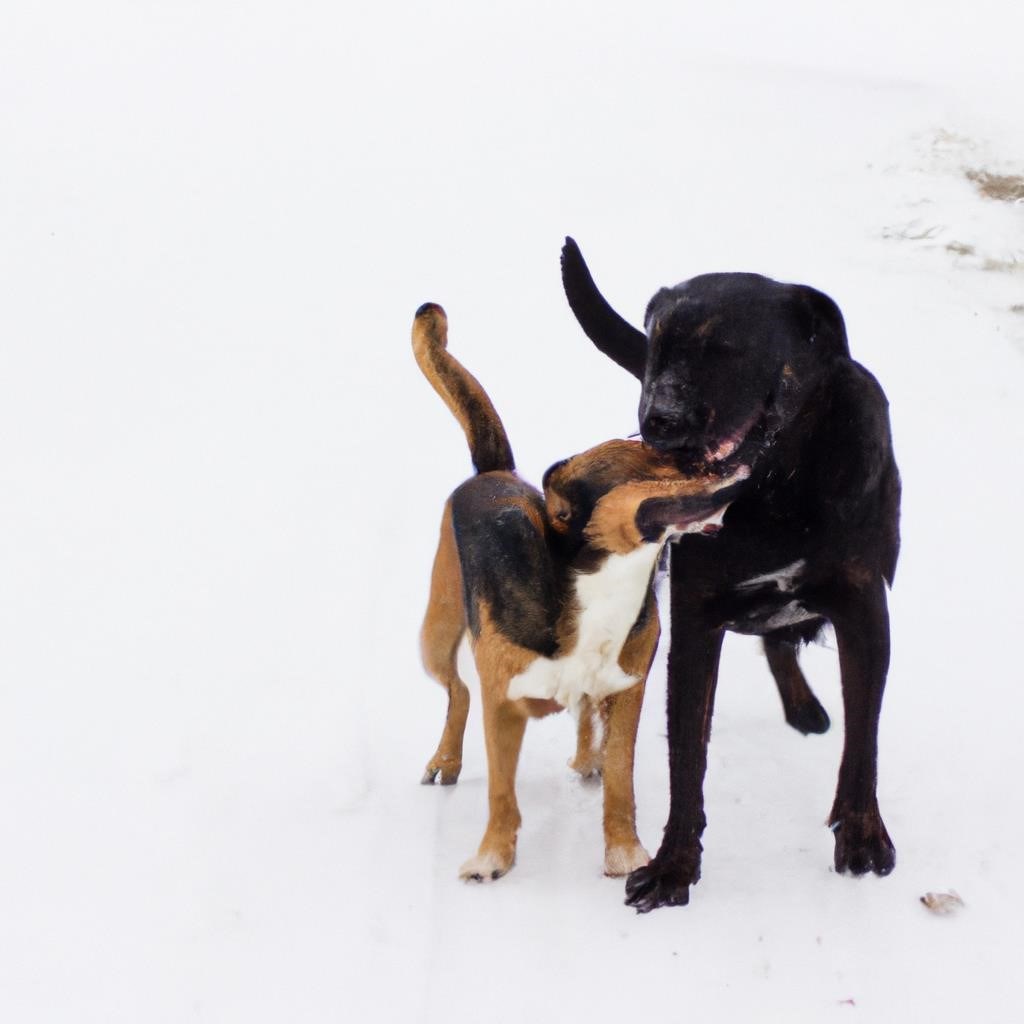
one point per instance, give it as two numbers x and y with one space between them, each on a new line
960 248
943 902
1007 187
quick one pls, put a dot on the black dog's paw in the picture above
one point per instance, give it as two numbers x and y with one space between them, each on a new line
809 717
863 845
655 885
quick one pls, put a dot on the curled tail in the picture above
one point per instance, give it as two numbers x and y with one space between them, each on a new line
461 391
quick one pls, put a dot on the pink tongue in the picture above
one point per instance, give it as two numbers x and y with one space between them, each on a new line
733 441
724 450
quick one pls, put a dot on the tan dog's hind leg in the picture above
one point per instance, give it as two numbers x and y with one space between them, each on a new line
623 851
443 628
498 660
504 726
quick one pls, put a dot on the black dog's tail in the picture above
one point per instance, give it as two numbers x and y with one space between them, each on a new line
460 391
615 337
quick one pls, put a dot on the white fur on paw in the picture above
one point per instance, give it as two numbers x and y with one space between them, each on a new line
621 860
484 867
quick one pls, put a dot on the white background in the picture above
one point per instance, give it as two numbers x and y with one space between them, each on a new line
221 476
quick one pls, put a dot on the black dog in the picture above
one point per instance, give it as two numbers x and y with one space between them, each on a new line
737 368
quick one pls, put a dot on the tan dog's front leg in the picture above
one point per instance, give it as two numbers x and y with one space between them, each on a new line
504 726
623 851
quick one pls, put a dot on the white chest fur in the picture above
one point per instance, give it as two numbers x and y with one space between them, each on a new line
785 581
608 603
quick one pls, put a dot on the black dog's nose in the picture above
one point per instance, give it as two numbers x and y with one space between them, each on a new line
657 427
677 423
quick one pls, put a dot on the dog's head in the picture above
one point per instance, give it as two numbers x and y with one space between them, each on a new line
621 494
726 360
574 486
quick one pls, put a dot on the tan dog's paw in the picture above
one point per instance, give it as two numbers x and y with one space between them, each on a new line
588 765
486 867
448 768
621 860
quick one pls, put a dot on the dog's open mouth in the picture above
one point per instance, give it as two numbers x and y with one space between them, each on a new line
720 455
733 441
741 445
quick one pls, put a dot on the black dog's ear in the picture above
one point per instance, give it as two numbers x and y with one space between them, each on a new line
601 324
824 324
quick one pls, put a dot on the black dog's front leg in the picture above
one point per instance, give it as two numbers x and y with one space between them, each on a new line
861 621
692 676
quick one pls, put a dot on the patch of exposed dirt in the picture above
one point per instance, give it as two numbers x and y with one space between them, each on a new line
1009 266
1008 188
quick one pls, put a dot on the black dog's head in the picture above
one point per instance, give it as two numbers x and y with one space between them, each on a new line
725 362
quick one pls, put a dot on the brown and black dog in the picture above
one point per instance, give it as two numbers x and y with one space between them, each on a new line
554 591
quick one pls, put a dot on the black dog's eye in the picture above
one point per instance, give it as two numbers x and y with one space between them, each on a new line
719 348
563 515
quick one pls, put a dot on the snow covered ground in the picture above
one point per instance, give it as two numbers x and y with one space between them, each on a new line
222 474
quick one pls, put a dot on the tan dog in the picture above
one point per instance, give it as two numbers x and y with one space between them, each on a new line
555 593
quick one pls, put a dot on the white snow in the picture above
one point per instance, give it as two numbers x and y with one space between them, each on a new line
221 475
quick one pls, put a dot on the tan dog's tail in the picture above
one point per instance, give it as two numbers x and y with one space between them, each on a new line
461 391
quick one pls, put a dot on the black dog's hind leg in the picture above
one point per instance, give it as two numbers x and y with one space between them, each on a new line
802 709
692 677
861 621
